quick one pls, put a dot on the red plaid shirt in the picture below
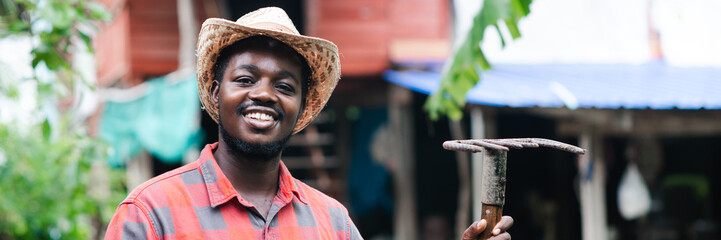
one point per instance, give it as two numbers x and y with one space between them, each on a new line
197 201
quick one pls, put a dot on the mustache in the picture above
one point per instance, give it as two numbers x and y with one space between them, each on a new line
239 111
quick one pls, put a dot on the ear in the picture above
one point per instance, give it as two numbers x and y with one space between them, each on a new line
215 92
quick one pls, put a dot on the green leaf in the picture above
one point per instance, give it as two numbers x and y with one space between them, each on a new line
498 29
12 92
521 7
482 61
97 10
432 105
18 26
46 129
45 89
463 68
513 28
60 14
36 61
87 40
51 58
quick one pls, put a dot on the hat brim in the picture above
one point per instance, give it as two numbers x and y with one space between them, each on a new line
321 56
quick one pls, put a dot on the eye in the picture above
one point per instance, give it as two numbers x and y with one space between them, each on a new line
284 87
244 80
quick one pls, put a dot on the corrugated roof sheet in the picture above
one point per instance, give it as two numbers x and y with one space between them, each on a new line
651 85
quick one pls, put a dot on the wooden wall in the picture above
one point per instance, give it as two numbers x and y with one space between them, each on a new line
369 33
112 45
153 37
141 42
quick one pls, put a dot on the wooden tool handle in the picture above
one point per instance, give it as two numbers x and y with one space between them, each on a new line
492 214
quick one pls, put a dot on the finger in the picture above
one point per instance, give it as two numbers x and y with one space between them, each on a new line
474 230
503 225
502 236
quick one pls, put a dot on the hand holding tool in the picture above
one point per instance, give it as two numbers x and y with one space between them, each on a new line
493 186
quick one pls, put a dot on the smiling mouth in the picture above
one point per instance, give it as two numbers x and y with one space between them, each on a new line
260 116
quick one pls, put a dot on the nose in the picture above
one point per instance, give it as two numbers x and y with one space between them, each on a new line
263 92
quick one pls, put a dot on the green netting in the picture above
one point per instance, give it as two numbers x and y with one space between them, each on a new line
165 122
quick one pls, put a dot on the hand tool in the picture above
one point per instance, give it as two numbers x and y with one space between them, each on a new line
493 186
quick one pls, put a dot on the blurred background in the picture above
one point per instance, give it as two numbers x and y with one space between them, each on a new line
98 96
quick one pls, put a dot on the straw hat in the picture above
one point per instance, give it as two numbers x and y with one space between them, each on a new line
321 55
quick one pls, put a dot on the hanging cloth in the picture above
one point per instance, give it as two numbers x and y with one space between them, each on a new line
164 121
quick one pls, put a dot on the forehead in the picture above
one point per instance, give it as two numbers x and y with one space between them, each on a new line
281 58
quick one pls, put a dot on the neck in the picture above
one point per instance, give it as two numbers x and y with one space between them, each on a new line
250 175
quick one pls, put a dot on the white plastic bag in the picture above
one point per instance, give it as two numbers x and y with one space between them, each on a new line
634 199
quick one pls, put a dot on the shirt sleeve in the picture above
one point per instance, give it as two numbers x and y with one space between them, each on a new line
354 234
129 222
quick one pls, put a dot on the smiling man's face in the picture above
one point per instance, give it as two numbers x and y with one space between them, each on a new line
259 100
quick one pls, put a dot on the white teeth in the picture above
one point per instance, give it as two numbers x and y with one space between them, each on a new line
260 116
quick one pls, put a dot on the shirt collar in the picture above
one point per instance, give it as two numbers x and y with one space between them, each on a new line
220 190
289 185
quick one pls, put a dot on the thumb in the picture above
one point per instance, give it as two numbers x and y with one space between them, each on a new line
473 231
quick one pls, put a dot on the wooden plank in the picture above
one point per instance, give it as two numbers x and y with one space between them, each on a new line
355 14
327 6
159 18
161 28
348 38
147 41
112 50
147 69
400 117
363 69
324 139
138 170
353 28
463 211
430 31
421 19
144 4
154 54
305 162
343 150
592 187
639 122
418 49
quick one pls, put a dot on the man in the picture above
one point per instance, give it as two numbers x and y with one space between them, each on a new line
262 82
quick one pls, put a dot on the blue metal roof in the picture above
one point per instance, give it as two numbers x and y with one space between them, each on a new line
651 85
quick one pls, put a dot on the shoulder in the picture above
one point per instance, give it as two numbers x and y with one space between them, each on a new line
158 189
337 214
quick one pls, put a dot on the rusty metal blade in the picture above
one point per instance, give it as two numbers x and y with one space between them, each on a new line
482 143
552 144
454 145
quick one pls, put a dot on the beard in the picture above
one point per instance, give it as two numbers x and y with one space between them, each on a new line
252 150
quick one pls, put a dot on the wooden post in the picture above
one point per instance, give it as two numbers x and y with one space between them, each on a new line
482 126
188 34
591 169
463 211
138 170
400 116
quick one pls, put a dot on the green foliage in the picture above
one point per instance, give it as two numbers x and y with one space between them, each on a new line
47 187
462 71
54 182
56 24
